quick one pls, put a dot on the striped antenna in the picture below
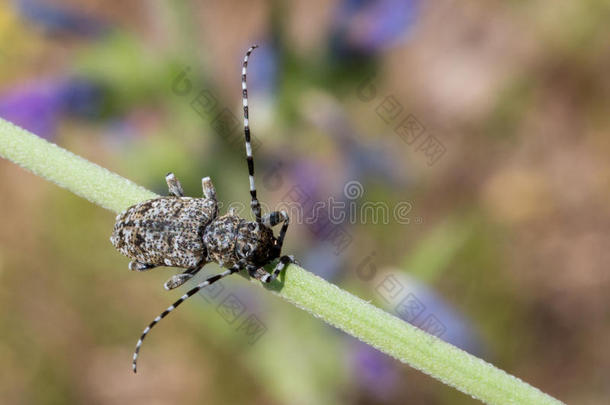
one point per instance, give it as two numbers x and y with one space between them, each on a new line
186 296
254 204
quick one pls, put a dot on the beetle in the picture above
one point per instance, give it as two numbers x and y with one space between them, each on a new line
186 232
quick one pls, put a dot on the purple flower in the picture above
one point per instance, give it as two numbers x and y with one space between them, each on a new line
34 107
323 258
39 106
263 75
423 307
367 26
56 20
372 370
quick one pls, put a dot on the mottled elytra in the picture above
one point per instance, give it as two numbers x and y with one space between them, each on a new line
186 232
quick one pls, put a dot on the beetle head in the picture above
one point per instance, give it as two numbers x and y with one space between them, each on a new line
256 244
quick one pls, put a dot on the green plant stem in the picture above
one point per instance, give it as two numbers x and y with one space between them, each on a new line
323 300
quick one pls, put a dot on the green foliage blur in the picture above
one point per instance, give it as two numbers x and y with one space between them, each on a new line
508 229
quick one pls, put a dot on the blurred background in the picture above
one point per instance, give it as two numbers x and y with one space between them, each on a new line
486 121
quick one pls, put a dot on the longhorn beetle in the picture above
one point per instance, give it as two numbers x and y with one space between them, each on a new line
186 232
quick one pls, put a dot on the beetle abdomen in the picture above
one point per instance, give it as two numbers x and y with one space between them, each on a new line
165 231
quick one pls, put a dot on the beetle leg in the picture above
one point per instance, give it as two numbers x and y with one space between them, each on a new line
263 276
178 279
208 188
174 186
139 266
274 218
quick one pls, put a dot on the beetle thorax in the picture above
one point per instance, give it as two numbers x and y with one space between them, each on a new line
231 239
